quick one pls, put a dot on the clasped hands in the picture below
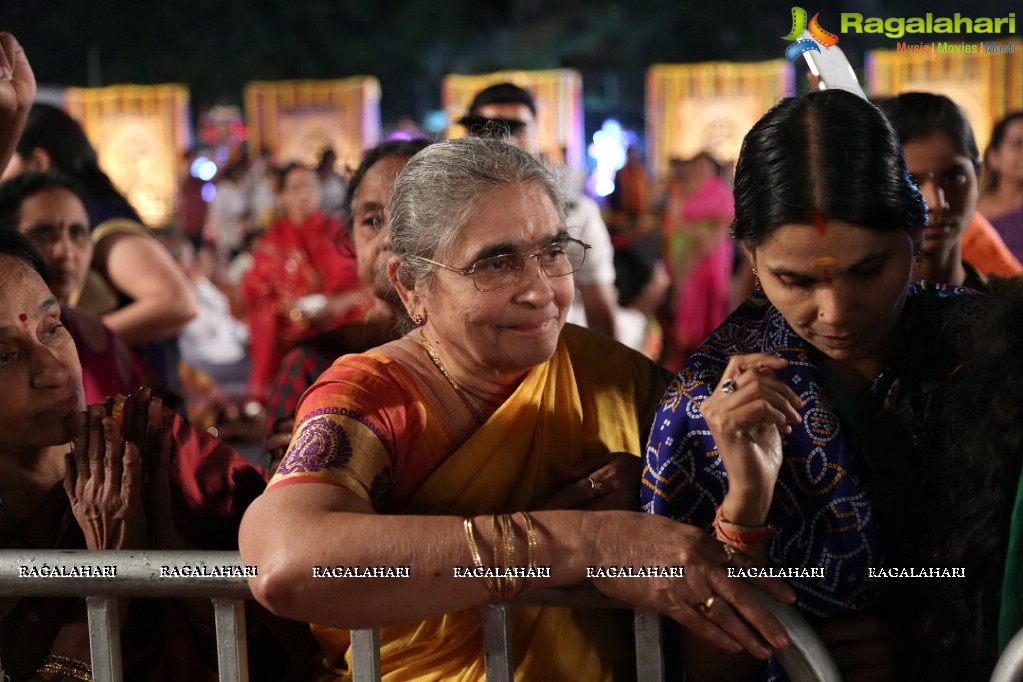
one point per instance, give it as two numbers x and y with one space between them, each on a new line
118 475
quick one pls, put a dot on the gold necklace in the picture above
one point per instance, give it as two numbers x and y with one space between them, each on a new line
470 402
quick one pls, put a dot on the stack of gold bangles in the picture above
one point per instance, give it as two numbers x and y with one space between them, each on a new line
502 580
66 667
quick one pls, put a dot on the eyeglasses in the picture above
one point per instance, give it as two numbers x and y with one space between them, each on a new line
557 259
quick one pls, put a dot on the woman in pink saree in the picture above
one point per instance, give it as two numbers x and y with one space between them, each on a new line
700 251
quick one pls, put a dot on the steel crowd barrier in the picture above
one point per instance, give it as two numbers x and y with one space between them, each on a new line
144 574
1010 663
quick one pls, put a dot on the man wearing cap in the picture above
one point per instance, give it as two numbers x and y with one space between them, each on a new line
511 110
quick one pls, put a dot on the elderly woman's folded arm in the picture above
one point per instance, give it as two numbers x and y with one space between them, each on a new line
294 528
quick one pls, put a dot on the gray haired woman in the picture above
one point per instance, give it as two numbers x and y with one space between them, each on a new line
491 450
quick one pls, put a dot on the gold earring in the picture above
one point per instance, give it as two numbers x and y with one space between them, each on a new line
418 320
756 280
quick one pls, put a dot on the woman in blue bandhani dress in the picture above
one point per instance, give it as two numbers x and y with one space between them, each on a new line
792 433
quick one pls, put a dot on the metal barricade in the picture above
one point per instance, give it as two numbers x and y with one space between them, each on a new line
145 574
26 573
1010 663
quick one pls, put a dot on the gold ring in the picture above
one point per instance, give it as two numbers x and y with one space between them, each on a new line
730 552
704 606
594 485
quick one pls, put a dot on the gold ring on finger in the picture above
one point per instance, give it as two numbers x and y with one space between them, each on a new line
704 606
594 485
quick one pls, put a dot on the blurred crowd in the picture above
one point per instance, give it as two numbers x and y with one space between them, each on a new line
262 256
380 346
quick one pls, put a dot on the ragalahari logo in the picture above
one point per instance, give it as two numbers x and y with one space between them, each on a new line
820 37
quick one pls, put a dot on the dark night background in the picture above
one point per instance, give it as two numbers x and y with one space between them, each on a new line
216 46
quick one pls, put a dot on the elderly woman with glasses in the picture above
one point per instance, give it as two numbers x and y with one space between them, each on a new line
491 450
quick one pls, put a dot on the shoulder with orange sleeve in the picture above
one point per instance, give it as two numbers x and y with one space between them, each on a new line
984 249
365 425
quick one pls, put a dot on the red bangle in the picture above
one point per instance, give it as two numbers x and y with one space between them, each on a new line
739 536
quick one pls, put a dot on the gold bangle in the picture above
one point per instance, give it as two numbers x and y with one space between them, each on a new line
67 667
69 661
531 547
508 537
495 544
475 551
530 539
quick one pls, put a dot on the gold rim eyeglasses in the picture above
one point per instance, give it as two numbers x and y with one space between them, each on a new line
557 259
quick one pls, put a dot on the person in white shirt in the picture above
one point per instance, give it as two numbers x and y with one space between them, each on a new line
228 214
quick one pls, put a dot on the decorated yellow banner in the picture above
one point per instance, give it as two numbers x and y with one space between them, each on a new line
708 107
297 120
140 133
558 94
987 85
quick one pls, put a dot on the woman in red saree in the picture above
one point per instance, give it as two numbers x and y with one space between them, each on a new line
303 254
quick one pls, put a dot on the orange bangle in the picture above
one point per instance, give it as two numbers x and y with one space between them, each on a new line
739 536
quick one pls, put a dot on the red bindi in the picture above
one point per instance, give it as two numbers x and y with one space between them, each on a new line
819 222
23 317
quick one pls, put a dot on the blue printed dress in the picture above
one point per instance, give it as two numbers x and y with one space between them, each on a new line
823 510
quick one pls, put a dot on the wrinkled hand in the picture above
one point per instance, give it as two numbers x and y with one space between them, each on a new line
103 481
140 416
735 621
150 429
863 648
747 425
609 481
17 82
277 443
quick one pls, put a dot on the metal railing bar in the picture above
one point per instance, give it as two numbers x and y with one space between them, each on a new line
581 596
220 576
104 638
1010 663
497 642
366 656
649 654
138 574
232 646
807 660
